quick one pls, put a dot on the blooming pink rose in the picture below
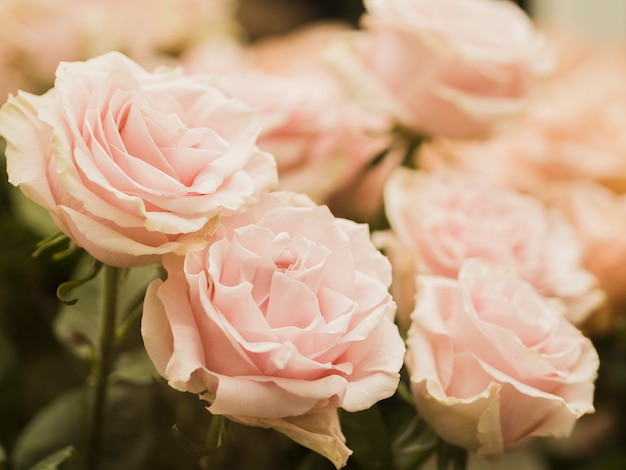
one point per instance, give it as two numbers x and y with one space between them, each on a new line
493 364
443 67
445 218
284 317
319 138
131 164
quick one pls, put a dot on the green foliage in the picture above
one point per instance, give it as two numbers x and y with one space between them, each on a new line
367 435
57 460
128 431
77 324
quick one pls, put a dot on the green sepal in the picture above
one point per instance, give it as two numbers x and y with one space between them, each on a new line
194 448
372 450
63 246
65 288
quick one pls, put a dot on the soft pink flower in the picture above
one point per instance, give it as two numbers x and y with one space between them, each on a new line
445 218
320 138
131 164
282 319
575 131
599 217
35 35
493 364
443 67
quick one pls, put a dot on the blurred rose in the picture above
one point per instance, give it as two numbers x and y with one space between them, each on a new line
361 199
493 364
151 31
319 138
131 164
283 318
599 217
576 131
35 35
443 67
445 218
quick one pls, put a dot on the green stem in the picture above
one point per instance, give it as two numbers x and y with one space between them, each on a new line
102 366
213 442
450 457
216 426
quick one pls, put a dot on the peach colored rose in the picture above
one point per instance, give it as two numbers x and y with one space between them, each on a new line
493 364
443 67
319 138
599 217
282 319
131 164
574 132
445 218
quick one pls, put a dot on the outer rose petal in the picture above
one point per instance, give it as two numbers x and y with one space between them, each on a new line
30 137
320 432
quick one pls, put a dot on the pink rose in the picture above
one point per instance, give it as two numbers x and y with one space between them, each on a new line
493 364
319 138
599 217
574 132
283 318
131 164
35 35
150 31
445 218
443 67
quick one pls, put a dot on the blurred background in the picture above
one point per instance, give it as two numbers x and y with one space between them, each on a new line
599 19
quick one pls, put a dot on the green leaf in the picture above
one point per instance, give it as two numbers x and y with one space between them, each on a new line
412 440
450 457
134 367
56 460
367 435
127 435
56 426
77 325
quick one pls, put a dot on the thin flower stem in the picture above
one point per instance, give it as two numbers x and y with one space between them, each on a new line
128 322
216 426
213 442
101 369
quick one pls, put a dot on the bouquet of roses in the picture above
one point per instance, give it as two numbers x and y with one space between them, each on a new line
397 245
